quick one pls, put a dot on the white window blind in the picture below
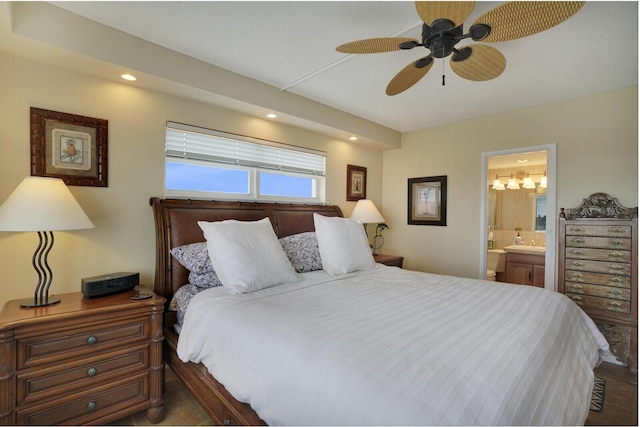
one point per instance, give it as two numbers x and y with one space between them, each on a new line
190 142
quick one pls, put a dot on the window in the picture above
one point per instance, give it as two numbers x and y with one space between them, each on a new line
211 164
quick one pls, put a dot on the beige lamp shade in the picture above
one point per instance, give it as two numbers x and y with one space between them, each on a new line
42 204
366 212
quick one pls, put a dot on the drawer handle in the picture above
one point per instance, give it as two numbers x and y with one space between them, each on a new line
576 287
616 242
616 280
616 230
91 372
92 339
615 304
577 251
576 298
615 291
576 277
577 240
577 264
616 267
577 229
92 405
617 254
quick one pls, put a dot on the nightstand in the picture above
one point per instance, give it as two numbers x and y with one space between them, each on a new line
390 260
82 361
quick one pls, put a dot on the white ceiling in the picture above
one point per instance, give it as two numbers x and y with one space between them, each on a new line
291 45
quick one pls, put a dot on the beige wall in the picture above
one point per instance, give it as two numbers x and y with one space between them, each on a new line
123 239
597 151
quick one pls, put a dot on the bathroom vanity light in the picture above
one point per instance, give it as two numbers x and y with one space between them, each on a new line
497 184
513 184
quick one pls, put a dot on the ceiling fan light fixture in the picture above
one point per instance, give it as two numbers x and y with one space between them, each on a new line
462 54
421 63
409 45
479 32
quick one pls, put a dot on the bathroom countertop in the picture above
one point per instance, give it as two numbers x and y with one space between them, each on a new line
534 250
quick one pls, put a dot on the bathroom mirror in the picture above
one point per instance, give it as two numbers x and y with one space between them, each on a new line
516 207
524 209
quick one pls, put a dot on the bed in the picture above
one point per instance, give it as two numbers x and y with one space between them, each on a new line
421 349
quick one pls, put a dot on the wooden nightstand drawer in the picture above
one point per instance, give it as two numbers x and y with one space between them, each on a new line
79 342
56 381
389 260
93 404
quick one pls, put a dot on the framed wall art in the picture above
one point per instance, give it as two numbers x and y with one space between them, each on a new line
356 183
427 201
69 146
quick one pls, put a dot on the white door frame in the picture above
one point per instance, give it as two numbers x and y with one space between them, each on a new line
550 279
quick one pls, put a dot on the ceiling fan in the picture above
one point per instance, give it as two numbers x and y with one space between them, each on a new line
443 29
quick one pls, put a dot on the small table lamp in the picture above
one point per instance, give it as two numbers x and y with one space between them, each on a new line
43 205
365 213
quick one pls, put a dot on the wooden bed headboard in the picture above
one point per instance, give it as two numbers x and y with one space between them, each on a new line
176 223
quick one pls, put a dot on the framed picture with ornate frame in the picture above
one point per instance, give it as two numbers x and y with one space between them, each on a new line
356 183
69 146
427 201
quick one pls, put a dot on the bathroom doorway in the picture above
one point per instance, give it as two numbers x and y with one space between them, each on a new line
529 211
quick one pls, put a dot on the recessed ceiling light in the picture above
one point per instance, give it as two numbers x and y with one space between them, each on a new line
128 77
353 138
271 116
522 161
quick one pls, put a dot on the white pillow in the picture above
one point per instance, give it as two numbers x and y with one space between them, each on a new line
246 255
343 245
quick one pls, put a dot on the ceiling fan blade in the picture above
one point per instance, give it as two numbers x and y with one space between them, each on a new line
407 77
517 19
454 11
484 63
377 45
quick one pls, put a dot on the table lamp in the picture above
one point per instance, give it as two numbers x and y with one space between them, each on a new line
365 213
43 205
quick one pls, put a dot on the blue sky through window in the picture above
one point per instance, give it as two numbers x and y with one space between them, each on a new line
272 184
180 176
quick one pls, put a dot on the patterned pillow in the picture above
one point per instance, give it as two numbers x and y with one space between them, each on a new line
194 257
302 251
204 280
181 300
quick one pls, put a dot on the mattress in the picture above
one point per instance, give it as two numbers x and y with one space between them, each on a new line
397 347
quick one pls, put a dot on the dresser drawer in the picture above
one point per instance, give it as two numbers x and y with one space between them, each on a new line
599 230
599 242
59 380
81 408
599 254
606 304
599 291
79 342
598 279
598 267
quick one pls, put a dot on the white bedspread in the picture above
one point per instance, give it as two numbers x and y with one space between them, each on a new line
397 347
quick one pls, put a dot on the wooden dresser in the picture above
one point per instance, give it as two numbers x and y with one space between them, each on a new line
82 361
598 269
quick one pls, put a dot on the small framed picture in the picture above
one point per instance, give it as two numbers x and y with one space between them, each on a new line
69 146
356 183
427 201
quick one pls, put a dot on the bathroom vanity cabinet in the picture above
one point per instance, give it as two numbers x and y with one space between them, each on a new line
598 269
525 268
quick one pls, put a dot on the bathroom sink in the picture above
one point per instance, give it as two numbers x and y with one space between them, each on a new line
525 249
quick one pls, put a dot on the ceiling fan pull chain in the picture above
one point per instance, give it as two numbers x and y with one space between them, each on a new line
442 71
